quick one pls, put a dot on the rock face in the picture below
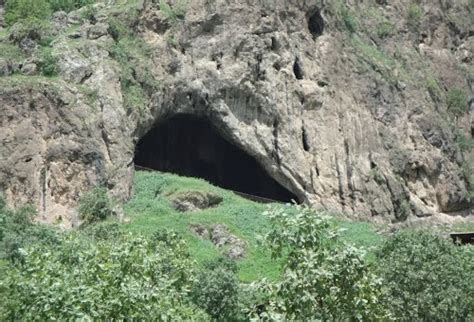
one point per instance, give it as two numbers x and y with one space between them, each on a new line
195 200
351 118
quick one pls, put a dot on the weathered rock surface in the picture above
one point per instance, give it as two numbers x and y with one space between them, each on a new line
233 246
344 121
195 200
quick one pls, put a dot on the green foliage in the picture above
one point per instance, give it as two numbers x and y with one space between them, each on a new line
127 279
468 173
175 12
117 29
350 22
427 278
414 15
32 28
456 101
322 278
104 231
150 207
68 5
385 29
48 63
95 206
89 13
217 290
434 89
464 142
136 80
19 10
17 232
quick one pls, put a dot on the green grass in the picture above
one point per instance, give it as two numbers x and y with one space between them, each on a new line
464 227
150 209
10 51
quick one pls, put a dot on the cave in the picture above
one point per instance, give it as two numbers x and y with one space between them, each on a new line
191 146
316 24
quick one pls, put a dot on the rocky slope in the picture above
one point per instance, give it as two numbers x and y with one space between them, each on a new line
352 107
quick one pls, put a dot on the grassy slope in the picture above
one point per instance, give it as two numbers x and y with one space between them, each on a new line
150 209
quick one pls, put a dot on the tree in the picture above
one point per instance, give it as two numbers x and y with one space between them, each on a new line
427 278
323 278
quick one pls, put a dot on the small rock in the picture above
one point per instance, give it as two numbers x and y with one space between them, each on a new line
195 200
222 238
98 30
29 69
199 230
28 45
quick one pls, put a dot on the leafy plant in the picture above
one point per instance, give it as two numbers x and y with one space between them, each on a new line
414 15
19 10
48 63
217 290
95 206
178 11
322 278
349 20
384 29
130 278
68 5
457 101
427 278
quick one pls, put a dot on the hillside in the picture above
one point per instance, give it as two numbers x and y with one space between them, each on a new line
236 160
361 108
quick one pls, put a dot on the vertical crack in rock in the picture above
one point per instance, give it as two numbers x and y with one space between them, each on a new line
297 69
304 138
316 23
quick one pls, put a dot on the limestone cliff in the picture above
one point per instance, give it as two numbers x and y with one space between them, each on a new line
350 106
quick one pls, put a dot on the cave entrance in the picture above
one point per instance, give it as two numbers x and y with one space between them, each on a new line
190 146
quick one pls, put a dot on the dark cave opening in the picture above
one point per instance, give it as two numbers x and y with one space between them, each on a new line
297 70
190 146
316 24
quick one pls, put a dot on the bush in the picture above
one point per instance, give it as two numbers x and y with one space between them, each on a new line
68 5
385 29
323 279
349 20
17 231
217 290
18 10
48 63
457 102
427 278
414 15
127 279
32 28
95 206
178 11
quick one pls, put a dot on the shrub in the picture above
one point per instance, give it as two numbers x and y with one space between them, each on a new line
89 13
95 206
18 10
427 278
349 20
104 231
33 28
17 232
178 11
68 5
217 290
48 63
385 29
457 101
323 279
126 279
414 15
